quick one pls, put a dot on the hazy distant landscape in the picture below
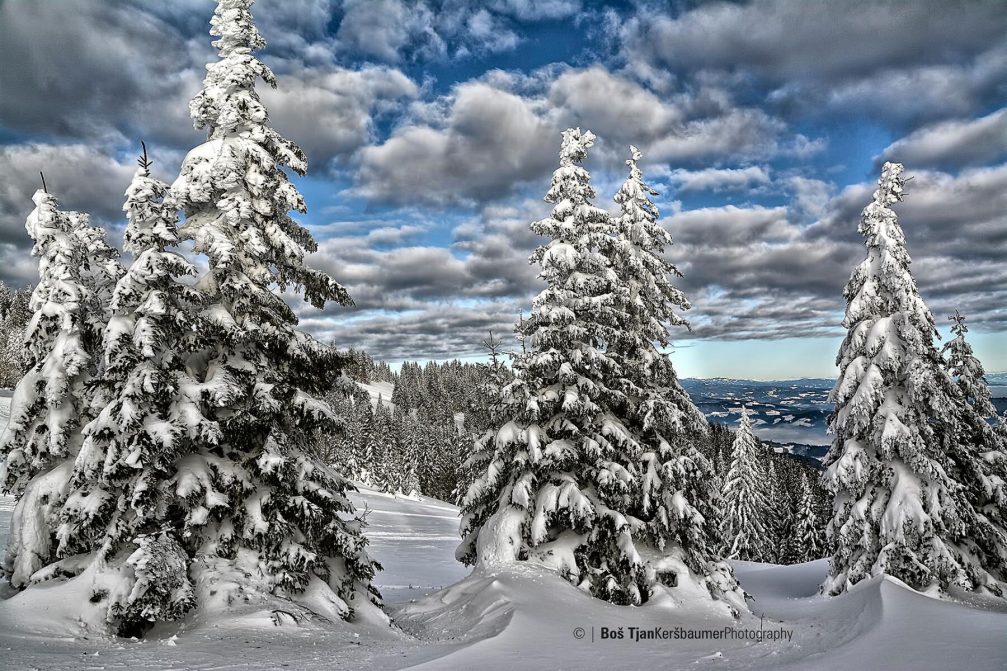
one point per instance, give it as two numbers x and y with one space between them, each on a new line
788 412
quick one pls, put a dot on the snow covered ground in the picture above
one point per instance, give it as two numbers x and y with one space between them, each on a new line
379 390
406 534
525 617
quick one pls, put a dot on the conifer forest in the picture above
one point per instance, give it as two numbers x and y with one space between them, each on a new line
508 334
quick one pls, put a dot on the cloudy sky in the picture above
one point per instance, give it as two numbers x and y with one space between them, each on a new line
432 128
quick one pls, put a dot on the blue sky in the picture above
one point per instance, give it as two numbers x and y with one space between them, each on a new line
432 128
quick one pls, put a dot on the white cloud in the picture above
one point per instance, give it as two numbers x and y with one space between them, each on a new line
487 137
81 177
716 179
490 141
896 61
330 112
535 10
957 142
813 39
381 28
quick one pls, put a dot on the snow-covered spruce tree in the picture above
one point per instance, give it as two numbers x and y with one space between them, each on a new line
260 502
14 315
779 512
354 438
563 485
554 489
484 416
484 410
52 400
378 464
806 541
743 526
122 498
406 453
679 497
979 462
897 509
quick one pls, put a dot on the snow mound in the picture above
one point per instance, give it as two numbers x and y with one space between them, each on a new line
526 616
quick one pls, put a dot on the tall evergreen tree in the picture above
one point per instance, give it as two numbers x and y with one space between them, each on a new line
15 312
553 489
406 454
563 484
979 462
258 500
678 486
779 512
149 417
52 400
380 449
746 510
807 538
897 508
484 415
355 438
484 410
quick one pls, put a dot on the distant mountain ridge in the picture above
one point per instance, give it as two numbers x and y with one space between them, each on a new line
792 414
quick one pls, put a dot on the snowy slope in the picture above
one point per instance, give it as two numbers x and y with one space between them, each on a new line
382 390
406 534
524 617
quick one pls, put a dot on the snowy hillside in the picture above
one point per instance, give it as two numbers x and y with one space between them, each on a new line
378 390
527 617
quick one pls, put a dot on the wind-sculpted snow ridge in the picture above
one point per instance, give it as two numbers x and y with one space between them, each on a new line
526 616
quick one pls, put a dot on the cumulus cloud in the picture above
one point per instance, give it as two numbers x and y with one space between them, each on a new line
716 227
439 332
802 39
906 96
810 196
439 302
97 77
380 28
489 136
105 83
701 125
536 10
957 142
586 97
395 31
330 111
385 270
929 58
79 176
490 141
717 179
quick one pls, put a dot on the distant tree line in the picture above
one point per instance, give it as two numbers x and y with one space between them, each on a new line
14 315
420 440
416 440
